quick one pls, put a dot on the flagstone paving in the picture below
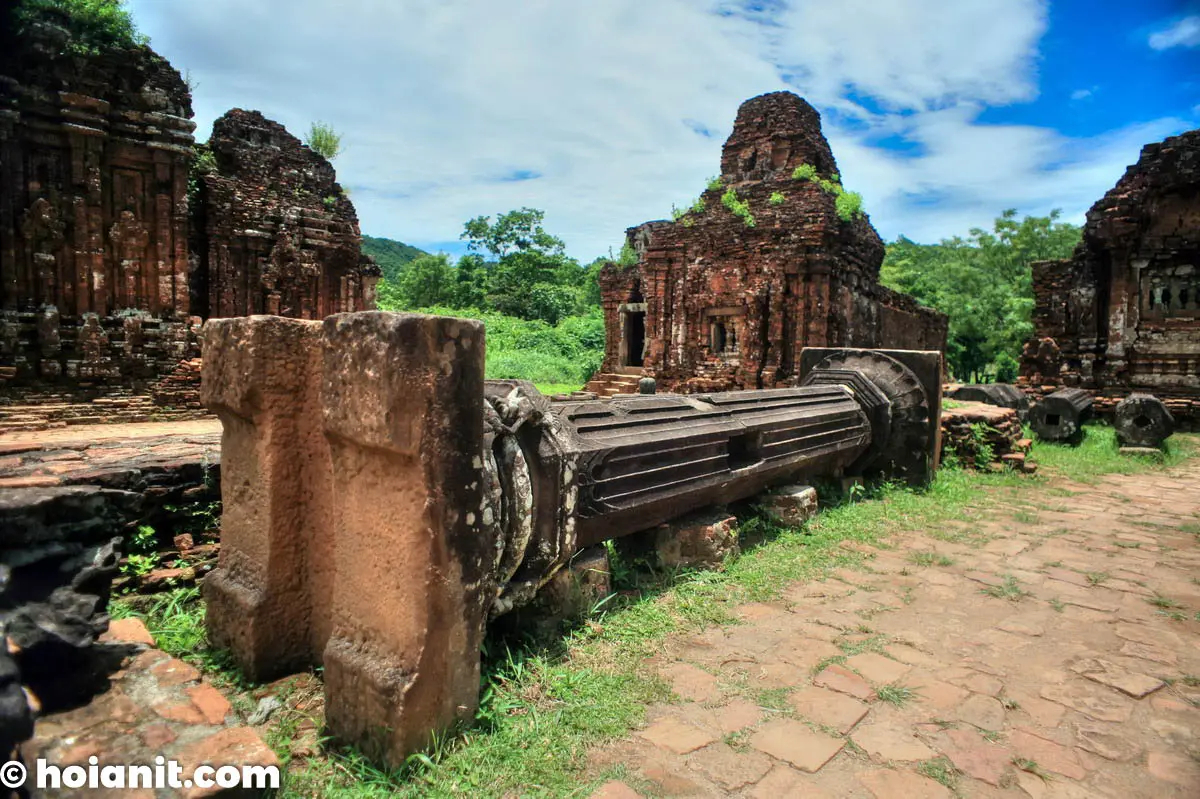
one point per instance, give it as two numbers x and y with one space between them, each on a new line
1057 656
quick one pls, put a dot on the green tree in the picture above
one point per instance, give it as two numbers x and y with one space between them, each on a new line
324 140
984 284
516 231
532 277
425 281
470 282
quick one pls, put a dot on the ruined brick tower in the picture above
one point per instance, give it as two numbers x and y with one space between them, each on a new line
278 234
109 263
760 267
1123 313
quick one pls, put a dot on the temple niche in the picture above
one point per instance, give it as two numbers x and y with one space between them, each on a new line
715 303
279 234
1123 313
109 265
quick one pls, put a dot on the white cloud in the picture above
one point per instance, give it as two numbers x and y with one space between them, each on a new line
440 100
1182 33
1081 94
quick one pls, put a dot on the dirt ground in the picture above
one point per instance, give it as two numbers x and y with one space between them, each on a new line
1057 655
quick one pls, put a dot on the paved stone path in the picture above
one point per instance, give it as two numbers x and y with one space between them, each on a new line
1058 655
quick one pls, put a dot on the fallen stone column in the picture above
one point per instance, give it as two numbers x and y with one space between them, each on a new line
1060 416
1142 420
381 501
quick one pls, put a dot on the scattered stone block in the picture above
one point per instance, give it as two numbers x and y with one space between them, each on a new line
878 669
892 741
975 756
729 769
614 789
1142 421
890 784
128 631
1107 741
1091 702
677 736
790 506
839 678
1047 754
703 540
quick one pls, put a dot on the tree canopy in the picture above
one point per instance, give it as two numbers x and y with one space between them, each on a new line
984 284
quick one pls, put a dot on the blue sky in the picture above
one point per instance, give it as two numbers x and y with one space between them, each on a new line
605 113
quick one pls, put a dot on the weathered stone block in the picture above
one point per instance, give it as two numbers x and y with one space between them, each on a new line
261 377
1061 415
401 397
351 468
699 541
791 505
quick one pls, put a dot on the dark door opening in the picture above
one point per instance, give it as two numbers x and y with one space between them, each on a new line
635 337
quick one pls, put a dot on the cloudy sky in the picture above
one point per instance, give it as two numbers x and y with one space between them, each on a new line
604 113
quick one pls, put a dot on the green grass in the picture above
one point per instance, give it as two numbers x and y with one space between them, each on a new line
1097 455
940 770
558 388
897 695
1010 589
930 559
543 709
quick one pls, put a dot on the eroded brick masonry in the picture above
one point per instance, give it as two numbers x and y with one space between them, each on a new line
714 303
108 264
1123 313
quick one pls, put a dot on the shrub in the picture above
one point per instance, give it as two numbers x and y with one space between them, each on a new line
628 256
94 24
777 198
569 352
324 140
804 172
849 205
714 184
737 207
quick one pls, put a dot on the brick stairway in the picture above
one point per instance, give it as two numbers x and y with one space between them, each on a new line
606 384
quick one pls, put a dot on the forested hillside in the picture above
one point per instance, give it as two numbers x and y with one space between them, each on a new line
389 254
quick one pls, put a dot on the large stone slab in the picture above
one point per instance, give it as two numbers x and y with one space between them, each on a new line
351 454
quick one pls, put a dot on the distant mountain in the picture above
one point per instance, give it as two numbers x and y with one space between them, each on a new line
390 254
